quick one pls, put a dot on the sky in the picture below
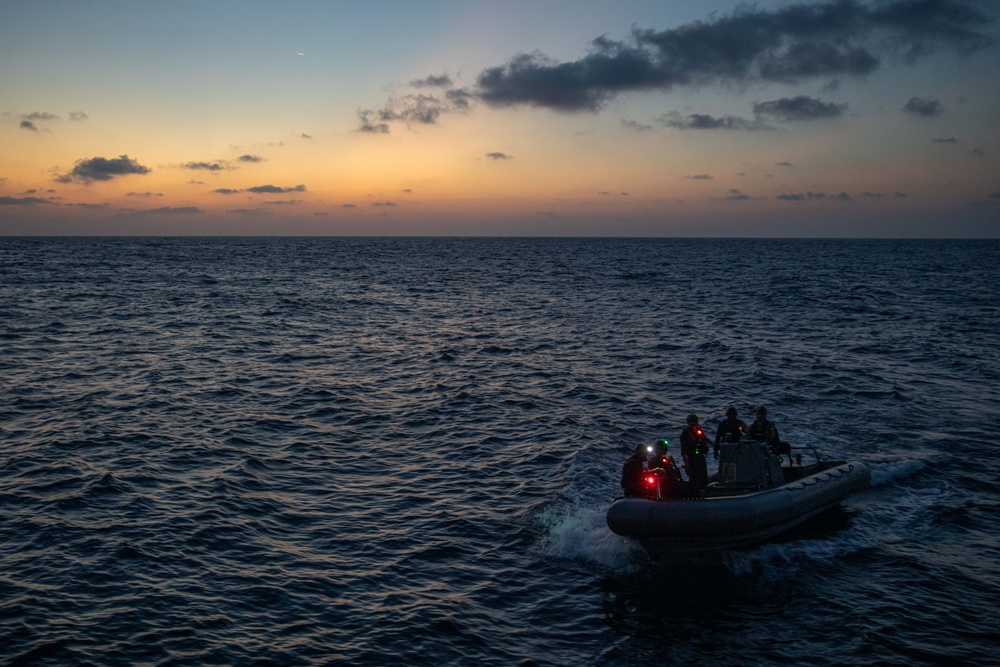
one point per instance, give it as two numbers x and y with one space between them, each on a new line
707 118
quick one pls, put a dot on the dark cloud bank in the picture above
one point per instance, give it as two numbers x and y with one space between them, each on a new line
788 45
791 44
102 169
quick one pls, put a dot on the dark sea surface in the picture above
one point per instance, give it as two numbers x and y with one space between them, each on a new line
400 451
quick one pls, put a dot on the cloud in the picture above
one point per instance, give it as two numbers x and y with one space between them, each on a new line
439 81
700 121
205 166
144 194
409 109
843 196
103 169
274 189
925 107
173 210
384 203
226 191
78 115
799 108
348 206
460 99
700 177
635 125
734 194
948 140
39 115
250 158
790 44
786 109
29 121
370 122
23 201
250 211
499 156
419 109
90 206
880 195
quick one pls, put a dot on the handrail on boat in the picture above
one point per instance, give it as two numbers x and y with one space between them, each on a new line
815 453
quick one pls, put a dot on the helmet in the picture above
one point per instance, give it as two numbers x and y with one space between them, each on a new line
730 411
761 410
692 419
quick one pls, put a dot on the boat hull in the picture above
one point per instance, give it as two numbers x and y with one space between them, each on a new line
728 521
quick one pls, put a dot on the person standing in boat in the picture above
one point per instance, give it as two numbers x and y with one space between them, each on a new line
730 430
633 471
694 447
763 430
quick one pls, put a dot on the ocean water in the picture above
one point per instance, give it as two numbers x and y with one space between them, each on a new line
400 451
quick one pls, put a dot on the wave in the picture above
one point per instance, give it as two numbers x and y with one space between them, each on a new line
580 533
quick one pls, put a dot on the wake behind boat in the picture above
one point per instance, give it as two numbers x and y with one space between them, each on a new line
755 496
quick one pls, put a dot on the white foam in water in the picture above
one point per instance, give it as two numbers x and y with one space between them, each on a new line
583 534
889 472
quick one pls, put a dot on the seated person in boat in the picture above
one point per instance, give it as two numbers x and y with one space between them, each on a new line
632 472
763 429
694 447
670 483
660 460
731 429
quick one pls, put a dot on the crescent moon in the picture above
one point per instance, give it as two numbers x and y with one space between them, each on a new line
299 53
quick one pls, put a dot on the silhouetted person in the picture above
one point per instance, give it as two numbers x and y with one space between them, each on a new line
763 430
660 460
694 447
731 429
632 472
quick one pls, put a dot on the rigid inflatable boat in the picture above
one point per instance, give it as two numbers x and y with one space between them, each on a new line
755 496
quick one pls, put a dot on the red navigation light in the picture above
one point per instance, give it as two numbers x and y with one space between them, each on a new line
651 479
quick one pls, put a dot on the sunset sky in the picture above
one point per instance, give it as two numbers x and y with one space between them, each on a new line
527 118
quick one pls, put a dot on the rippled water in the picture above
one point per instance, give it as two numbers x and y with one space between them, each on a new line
400 451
